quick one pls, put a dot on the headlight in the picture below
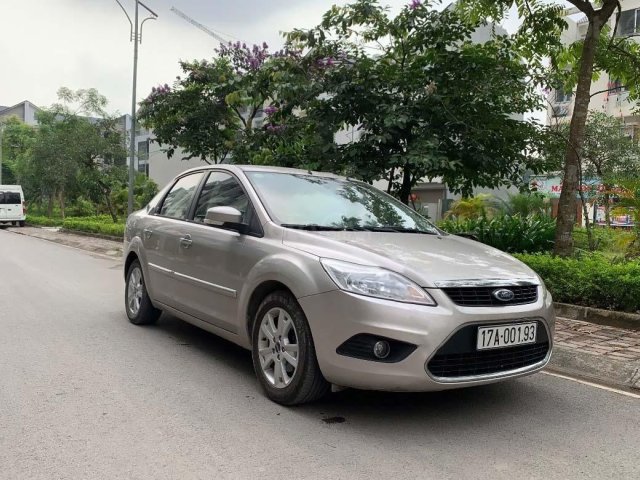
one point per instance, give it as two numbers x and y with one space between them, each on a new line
375 282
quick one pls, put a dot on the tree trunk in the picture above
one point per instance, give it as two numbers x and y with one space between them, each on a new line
567 204
50 206
61 200
587 223
112 212
391 175
405 189
607 208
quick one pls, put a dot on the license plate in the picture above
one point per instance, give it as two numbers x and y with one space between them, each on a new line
506 335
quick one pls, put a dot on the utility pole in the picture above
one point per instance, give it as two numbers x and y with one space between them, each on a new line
136 38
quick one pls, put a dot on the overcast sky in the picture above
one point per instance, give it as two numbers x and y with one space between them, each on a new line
47 44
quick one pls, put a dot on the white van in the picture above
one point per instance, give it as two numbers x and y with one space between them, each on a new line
12 209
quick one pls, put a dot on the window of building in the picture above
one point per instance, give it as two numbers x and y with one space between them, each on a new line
178 201
616 86
561 96
628 22
143 150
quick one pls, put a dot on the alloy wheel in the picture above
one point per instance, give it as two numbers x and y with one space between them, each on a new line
278 347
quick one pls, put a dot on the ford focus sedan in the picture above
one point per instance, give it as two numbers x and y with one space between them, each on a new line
329 281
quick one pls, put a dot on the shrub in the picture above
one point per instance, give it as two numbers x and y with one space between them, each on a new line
591 280
81 207
95 225
508 233
43 221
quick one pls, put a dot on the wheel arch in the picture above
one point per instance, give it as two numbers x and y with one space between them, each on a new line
298 275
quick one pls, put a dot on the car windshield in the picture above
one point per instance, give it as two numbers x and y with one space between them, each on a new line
314 202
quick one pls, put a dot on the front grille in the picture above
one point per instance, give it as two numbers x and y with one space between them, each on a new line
483 296
458 357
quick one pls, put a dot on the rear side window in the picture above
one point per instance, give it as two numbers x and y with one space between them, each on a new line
178 201
12 198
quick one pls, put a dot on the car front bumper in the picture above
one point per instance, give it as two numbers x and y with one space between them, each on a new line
336 316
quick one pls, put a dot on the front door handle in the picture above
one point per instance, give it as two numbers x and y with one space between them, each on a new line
185 242
147 233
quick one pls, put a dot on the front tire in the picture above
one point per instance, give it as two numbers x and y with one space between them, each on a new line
284 356
138 305
21 223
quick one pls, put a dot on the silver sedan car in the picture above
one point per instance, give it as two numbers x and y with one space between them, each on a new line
329 281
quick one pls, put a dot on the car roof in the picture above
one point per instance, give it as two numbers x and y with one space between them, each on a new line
261 168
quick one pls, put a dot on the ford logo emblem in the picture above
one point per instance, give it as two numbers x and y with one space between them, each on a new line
504 295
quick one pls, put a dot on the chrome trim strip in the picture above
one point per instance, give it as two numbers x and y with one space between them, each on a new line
160 269
489 282
497 375
229 292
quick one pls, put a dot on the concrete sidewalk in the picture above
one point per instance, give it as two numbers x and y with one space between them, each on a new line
91 244
605 354
601 353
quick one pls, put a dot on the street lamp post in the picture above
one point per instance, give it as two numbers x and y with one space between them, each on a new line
136 38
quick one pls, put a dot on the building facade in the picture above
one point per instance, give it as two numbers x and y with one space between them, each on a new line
24 111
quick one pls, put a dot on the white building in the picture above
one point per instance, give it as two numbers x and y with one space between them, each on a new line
609 95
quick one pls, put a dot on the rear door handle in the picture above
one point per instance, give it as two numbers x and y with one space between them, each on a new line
185 242
147 233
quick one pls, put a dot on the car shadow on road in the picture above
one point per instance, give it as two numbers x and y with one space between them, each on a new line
459 408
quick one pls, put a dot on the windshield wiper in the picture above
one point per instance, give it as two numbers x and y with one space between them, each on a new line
312 227
404 230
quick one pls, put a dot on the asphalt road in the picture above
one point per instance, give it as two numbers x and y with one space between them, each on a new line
86 395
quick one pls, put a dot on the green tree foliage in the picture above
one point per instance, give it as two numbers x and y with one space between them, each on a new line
572 67
211 111
76 150
16 138
418 96
425 100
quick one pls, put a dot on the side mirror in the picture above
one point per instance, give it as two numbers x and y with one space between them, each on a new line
225 217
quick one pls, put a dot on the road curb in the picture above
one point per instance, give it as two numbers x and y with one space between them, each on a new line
93 235
599 368
598 316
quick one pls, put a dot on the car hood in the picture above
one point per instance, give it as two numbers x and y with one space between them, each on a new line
426 259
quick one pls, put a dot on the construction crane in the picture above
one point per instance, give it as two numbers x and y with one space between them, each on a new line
199 25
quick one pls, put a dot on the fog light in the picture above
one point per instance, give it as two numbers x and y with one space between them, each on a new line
381 349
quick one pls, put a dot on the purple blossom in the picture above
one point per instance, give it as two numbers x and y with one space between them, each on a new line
275 128
270 110
415 4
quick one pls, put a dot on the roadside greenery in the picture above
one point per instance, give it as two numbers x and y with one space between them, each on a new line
100 224
571 68
509 233
591 280
74 162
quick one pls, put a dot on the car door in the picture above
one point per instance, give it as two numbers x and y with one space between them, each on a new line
216 262
161 237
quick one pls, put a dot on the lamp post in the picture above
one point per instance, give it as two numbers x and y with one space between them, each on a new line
136 38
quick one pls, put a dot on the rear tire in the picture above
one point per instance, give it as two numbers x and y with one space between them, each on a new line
138 305
21 223
281 337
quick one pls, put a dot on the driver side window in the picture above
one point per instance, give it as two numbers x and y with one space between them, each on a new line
221 190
